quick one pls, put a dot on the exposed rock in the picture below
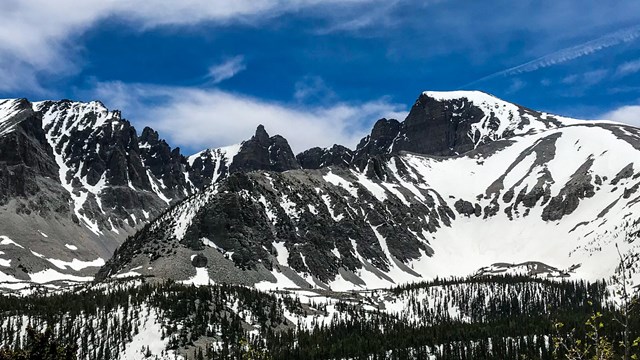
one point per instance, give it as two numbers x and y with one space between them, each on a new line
262 152
316 158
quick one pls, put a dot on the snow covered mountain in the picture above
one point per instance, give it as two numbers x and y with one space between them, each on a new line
466 183
76 179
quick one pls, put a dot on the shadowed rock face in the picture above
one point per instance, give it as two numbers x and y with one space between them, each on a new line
166 164
438 127
262 152
380 142
316 158
25 155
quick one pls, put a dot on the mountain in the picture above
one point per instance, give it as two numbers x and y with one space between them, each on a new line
76 179
466 184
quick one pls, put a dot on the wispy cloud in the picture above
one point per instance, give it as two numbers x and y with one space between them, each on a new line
226 70
516 85
193 117
568 54
627 68
360 18
313 89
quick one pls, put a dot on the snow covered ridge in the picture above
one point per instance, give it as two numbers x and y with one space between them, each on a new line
10 110
82 136
215 163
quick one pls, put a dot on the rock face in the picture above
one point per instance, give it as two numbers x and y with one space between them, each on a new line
316 158
24 153
262 152
465 182
166 164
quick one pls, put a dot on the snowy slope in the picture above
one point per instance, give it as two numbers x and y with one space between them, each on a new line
214 163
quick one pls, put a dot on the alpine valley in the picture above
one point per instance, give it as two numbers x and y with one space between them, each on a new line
468 230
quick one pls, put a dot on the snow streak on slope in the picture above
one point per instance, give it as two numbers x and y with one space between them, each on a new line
59 127
219 158
9 108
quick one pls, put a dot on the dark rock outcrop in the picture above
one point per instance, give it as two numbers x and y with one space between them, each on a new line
166 164
316 158
262 152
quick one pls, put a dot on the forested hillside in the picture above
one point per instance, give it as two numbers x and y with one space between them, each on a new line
473 318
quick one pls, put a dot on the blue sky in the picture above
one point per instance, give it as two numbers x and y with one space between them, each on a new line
205 73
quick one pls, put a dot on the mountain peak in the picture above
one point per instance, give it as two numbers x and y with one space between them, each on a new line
261 134
263 152
448 123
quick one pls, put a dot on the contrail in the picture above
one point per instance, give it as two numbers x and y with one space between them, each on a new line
568 54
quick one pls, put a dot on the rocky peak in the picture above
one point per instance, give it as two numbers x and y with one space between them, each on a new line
261 135
167 165
450 123
263 152
149 136
380 142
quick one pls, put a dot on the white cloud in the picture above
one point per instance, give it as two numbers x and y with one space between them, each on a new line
37 37
586 79
595 76
227 69
626 114
209 118
627 68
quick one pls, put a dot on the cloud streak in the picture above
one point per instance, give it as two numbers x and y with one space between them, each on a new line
226 70
628 68
202 118
568 54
